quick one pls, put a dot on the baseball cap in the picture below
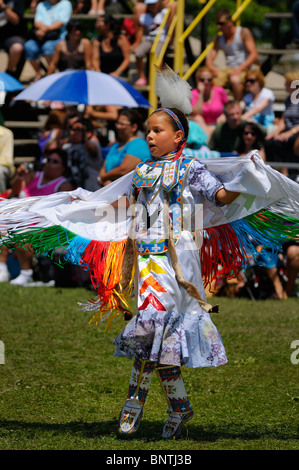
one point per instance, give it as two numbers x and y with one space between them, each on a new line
150 2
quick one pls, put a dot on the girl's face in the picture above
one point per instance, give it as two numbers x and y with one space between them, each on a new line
101 26
75 33
249 136
161 137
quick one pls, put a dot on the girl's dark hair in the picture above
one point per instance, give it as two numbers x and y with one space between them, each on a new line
259 136
64 157
134 116
73 24
86 122
61 152
114 26
182 118
55 120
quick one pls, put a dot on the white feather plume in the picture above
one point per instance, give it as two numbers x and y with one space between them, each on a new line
173 91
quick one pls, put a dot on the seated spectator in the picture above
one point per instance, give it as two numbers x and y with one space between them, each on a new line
287 259
72 115
295 26
279 145
207 100
226 137
54 124
4 272
13 33
240 52
148 27
197 143
49 28
50 180
81 6
271 263
103 119
73 52
252 138
139 9
7 167
33 5
97 7
38 183
258 102
292 267
197 136
84 155
128 151
111 49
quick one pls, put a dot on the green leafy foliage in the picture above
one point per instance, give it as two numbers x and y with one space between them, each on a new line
252 17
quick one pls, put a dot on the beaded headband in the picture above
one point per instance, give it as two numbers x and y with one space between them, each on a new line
174 117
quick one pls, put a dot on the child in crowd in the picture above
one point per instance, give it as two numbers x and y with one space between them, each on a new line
148 27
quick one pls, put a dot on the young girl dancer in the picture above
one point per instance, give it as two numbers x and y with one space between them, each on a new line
172 326
245 204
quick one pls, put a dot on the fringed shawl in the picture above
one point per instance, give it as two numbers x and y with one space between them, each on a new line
94 235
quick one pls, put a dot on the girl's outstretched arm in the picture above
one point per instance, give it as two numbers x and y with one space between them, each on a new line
225 196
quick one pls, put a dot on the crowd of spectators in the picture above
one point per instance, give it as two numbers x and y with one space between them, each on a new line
232 109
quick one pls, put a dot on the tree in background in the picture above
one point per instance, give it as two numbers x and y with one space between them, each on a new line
252 17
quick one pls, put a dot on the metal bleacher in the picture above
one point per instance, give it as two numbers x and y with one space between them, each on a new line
27 131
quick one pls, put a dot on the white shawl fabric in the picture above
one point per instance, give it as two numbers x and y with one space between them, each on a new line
90 215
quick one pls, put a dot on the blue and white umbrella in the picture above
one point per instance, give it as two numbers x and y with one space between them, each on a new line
84 87
9 83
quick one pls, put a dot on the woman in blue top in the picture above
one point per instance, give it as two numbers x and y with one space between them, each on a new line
129 149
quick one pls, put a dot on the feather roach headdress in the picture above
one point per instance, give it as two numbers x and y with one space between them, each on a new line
172 90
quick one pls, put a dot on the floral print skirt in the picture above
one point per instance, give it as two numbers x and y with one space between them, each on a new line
170 327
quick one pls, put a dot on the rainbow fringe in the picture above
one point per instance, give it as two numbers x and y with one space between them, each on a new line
103 260
226 250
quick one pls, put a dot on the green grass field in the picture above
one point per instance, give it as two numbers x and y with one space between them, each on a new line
61 388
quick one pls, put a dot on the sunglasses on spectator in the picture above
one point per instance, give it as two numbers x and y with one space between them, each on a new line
222 23
205 79
119 123
249 133
250 80
55 161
